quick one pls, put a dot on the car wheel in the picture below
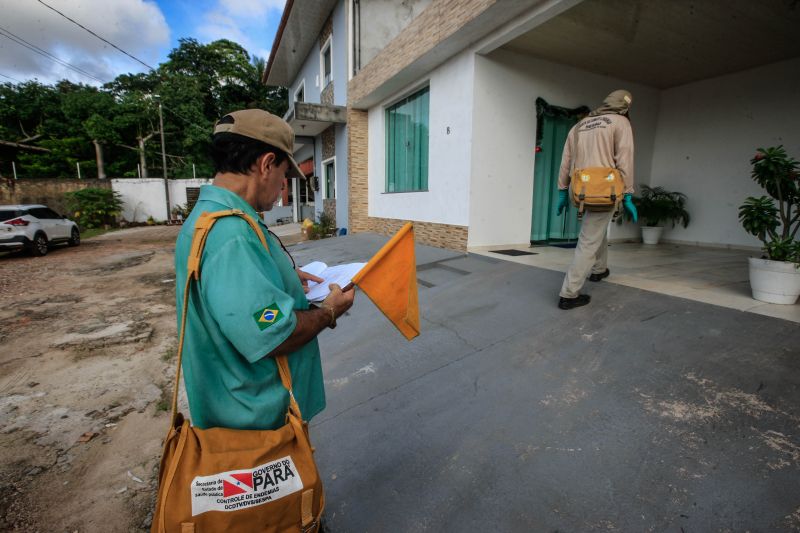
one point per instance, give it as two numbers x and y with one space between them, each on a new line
75 237
39 245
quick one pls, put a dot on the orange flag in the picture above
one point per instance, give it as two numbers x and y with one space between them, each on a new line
390 281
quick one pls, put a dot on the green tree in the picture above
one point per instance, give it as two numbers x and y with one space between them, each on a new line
114 128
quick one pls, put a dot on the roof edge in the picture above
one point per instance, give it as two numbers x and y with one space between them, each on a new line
276 43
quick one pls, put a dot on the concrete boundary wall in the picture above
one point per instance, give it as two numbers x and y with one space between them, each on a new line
49 192
144 198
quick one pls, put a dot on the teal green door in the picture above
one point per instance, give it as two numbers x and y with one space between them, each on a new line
546 226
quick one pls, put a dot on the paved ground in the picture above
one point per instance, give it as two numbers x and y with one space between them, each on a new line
717 276
639 412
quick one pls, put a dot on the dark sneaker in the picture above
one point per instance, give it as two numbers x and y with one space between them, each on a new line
569 303
598 277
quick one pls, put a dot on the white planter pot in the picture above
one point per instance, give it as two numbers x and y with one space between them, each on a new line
775 282
651 235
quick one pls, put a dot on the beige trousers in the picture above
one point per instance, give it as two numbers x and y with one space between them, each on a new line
591 254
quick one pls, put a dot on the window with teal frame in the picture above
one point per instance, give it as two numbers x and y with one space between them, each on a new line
407 143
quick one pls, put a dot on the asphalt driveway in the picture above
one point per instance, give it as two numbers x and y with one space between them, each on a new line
638 412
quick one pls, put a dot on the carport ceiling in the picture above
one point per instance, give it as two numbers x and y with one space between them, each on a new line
664 43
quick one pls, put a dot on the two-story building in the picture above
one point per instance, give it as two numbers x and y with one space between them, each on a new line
319 45
457 110
309 57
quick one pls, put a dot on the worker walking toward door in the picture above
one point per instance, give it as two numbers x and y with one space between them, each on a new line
602 139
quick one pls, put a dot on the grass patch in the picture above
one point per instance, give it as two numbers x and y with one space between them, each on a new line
165 402
169 354
94 232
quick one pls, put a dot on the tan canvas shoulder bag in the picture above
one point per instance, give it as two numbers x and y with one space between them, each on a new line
597 189
217 479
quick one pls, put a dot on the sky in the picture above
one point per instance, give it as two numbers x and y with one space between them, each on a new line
147 29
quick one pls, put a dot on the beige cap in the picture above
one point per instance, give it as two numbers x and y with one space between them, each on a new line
265 127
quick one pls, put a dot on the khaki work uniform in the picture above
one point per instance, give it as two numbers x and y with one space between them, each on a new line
596 141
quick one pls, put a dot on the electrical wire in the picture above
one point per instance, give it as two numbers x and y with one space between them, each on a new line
44 53
93 33
127 54
34 48
9 77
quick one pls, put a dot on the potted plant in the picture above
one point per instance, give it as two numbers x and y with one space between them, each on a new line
657 205
775 277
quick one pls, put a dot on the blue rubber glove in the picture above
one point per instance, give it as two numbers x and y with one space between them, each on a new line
563 195
627 202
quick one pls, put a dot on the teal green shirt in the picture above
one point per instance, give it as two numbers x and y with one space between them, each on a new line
241 309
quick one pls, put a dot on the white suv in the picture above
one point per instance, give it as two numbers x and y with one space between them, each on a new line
35 227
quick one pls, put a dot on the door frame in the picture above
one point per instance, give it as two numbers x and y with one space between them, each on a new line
544 109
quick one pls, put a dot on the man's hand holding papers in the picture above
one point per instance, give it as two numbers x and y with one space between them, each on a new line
339 274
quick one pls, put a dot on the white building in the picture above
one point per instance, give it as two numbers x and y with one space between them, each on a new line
712 81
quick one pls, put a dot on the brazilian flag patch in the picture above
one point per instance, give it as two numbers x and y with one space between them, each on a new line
267 316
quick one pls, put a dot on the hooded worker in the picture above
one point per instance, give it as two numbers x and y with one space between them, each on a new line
603 139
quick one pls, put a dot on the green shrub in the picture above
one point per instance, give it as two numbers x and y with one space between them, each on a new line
657 205
94 207
181 211
326 227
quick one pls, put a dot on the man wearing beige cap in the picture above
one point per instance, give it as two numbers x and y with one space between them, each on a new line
249 304
602 139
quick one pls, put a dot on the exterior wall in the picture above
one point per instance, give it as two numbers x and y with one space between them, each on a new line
332 142
340 53
438 22
311 72
443 28
450 141
381 21
49 192
309 77
440 235
144 198
177 189
506 87
277 212
708 132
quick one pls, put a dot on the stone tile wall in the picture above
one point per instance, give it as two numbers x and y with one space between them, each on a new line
357 173
329 143
439 235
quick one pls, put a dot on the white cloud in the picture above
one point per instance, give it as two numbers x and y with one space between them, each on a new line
249 8
242 21
137 26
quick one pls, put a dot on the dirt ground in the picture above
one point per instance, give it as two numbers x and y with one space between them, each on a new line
87 359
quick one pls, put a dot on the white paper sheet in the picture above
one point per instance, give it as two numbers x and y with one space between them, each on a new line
339 274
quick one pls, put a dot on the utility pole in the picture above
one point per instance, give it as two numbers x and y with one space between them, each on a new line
163 156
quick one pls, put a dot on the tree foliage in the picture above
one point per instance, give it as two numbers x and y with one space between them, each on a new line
81 124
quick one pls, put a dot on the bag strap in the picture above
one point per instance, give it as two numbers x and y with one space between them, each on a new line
202 228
